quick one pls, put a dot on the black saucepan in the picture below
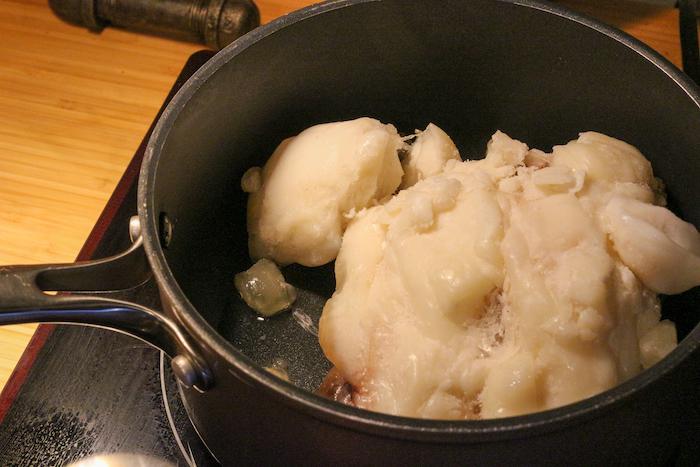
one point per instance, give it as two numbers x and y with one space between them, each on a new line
536 71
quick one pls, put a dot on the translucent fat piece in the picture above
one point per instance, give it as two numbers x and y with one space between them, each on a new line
658 342
451 268
428 155
504 151
511 388
662 250
610 166
558 272
496 287
313 182
604 159
348 322
264 289
411 311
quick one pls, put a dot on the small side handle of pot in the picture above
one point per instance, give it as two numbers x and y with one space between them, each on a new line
24 299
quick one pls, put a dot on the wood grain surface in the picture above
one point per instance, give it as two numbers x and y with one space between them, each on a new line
75 105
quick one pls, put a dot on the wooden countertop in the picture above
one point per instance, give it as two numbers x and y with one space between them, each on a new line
75 105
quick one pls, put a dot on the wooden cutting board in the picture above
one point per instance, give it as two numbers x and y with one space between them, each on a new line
75 105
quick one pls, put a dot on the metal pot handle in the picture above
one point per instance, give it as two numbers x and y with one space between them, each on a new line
24 299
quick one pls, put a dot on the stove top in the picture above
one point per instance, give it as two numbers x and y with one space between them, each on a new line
81 392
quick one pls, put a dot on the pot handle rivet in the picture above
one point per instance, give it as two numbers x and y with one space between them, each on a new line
166 230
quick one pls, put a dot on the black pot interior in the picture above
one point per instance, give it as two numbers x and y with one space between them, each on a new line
470 67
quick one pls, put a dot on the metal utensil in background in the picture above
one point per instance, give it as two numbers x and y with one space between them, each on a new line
213 23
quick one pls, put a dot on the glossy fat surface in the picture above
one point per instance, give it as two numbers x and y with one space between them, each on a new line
298 209
490 288
494 289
